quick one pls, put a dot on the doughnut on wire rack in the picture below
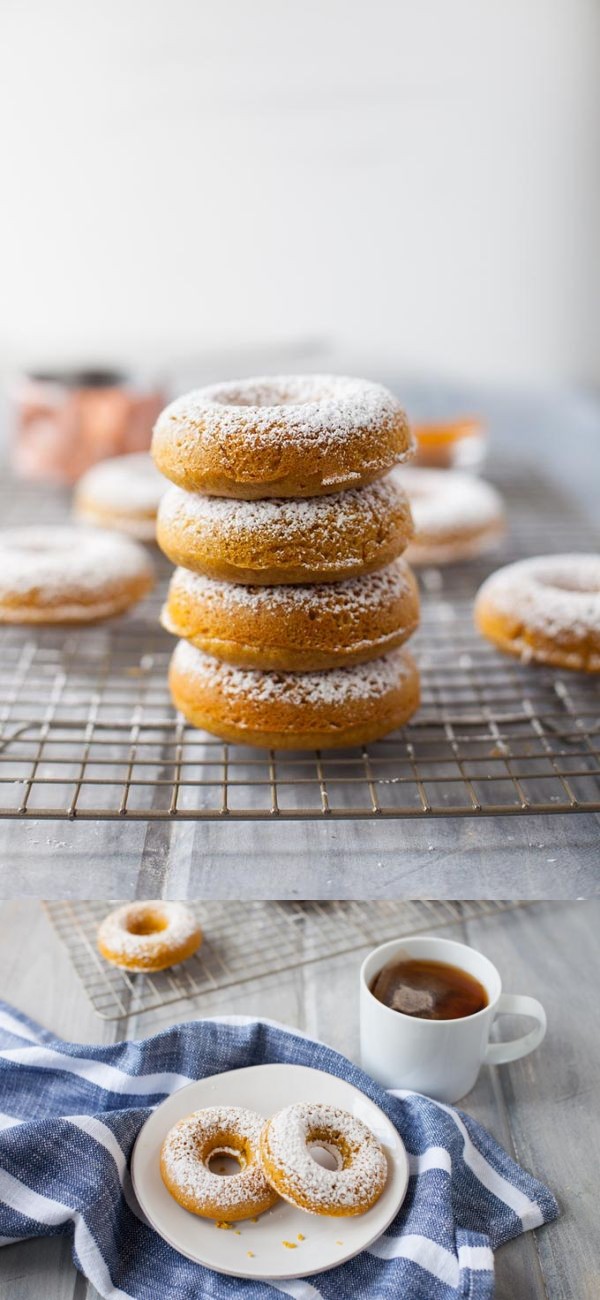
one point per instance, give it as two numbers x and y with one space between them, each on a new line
246 941
87 730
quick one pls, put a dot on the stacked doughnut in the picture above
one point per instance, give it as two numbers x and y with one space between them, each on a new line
290 597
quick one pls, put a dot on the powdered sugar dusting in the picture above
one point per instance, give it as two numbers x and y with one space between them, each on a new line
64 563
333 686
117 931
208 1129
312 409
131 484
551 594
371 591
281 518
286 1144
445 501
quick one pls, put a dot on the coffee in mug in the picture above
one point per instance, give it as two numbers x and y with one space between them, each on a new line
432 990
427 1006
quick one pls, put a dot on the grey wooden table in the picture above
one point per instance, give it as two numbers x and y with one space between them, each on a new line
544 1109
531 856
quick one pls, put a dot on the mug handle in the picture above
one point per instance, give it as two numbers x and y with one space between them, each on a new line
516 1004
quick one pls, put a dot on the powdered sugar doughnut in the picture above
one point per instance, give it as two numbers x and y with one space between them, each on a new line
299 628
456 516
546 608
121 493
285 1149
55 574
318 710
281 436
149 936
185 1164
323 539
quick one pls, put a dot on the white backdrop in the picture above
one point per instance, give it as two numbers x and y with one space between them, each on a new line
415 181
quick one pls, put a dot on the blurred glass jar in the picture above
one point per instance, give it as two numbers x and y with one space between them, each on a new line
450 444
66 421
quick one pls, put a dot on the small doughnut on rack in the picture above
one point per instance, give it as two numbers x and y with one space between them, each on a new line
545 609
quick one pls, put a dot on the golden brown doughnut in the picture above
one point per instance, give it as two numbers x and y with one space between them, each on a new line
121 493
456 516
283 436
295 628
323 539
56 574
185 1164
320 710
361 1167
546 608
148 936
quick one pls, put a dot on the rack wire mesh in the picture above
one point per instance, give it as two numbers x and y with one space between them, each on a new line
245 941
87 729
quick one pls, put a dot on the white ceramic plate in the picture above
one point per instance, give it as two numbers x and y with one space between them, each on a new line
327 1241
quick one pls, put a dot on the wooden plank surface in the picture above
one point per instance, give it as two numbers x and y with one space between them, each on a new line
528 857
543 1109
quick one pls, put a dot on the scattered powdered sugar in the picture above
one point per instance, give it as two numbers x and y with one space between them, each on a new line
329 687
370 591
443 500
128 483
551 594
287 1141
311 409
281 517
66 562
209 1130
117 930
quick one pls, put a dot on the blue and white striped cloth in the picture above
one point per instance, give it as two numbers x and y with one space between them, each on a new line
69 1116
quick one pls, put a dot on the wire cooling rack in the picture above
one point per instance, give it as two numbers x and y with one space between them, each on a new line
87 729
245 941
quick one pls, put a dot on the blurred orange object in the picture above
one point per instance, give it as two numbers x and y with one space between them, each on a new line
450 444
66 422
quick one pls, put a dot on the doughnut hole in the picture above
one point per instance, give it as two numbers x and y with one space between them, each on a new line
225 1161
327 1156
272 394
150 922
329 1150
569 582
226 1155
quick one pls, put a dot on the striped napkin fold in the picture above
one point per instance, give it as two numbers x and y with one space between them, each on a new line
70 1114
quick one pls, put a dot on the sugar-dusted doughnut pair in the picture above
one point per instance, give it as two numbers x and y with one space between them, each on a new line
57 574
275 1159
307 584
291 600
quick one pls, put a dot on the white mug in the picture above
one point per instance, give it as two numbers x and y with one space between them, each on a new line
440 1058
